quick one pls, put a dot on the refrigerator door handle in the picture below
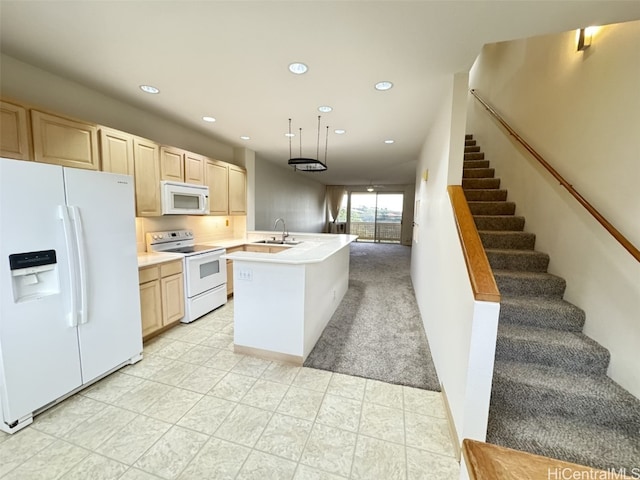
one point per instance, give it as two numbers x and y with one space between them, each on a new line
82 264
68 238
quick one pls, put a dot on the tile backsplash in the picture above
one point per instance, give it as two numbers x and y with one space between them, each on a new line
205 228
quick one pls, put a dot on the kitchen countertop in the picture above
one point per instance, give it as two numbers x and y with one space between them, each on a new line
146 259
313 248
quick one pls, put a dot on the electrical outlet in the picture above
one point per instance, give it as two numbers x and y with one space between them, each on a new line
245 274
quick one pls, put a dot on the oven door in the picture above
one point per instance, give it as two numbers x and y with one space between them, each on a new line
205 271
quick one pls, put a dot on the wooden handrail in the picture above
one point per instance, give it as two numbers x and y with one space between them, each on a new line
492 462
481 277
590 208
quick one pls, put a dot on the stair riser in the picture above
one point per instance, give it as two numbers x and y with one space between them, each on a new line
569 319
471 148
568 359
478 173
492 208
476 164
515 261
499 223
485 195
474 156
482 183
519 395
550 287
507 240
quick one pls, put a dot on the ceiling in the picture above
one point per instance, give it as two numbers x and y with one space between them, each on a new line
229 59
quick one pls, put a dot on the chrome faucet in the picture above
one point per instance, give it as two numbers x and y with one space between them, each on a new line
284 228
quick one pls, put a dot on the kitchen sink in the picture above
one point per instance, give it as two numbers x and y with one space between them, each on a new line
279 242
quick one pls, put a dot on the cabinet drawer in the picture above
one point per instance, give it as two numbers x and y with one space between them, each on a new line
235 249
171 268
148 274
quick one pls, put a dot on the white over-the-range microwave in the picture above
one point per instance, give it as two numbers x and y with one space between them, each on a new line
184 198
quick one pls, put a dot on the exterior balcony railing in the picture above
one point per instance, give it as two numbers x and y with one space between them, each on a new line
380 231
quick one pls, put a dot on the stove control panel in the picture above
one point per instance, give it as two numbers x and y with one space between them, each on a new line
158 238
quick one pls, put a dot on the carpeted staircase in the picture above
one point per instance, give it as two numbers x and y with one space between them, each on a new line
551 395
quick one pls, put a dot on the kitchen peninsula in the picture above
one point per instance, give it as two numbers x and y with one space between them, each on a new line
283 301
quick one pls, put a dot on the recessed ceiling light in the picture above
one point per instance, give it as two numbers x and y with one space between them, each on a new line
298 68
245 137
209 119
389 141
149 89
340 131
382 86
325 108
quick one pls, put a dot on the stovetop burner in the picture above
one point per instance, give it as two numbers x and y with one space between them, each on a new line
193 249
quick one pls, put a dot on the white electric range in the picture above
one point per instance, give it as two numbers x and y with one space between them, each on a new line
205 273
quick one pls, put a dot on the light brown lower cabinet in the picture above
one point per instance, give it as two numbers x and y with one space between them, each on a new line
263 248
161 297
230 268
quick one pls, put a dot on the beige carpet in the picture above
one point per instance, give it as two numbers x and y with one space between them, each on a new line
377 332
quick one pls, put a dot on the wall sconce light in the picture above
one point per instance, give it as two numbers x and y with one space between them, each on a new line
584 38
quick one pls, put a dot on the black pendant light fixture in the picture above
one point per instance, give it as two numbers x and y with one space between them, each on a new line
309 164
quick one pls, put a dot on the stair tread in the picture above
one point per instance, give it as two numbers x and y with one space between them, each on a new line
550 313
600 387
514 251
551 338
565 438
519 274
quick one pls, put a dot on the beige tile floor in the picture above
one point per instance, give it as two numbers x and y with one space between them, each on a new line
193 409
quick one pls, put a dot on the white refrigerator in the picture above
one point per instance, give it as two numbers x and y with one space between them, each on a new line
69 301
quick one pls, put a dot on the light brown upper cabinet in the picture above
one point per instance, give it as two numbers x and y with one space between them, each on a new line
14 132
171 164
217 179
237 190
116 151
63 141
194 168
146 159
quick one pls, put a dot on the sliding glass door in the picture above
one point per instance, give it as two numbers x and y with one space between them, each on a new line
376 216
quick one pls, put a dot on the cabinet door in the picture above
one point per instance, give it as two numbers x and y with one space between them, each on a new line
193 168
257 248
151 307
116 151
171 164
63 141
146 159
217 177
14 132
172 298
237 191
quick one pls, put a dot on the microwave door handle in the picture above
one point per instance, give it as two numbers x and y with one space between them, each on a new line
82 264
63 213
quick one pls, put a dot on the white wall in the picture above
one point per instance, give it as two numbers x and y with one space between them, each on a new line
581 111
294 196
461 331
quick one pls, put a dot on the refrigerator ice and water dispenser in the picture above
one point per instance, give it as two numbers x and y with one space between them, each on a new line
34 275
